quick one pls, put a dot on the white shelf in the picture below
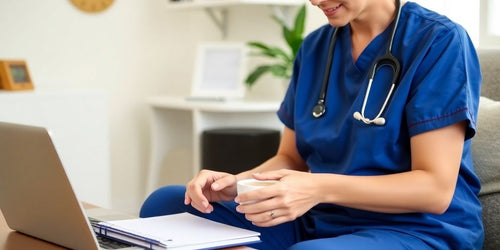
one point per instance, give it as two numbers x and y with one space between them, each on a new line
214 106
185 4
217 9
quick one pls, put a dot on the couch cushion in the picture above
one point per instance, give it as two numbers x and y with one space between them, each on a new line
486 156
486 146
491 221
490 69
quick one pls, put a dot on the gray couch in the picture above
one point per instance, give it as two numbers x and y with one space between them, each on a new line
486 146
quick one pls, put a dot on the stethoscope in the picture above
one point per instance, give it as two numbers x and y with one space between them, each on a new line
386 60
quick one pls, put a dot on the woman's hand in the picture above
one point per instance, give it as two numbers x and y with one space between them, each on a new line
293 196
209 186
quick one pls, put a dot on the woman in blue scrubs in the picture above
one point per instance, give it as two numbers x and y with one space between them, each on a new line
345 182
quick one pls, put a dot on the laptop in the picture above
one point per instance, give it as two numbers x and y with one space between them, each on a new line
36 196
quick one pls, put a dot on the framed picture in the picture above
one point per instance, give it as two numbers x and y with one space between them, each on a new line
14 75
219 71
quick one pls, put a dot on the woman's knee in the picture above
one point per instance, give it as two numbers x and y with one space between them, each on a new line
165 200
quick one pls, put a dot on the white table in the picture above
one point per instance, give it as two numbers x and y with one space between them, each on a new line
176 122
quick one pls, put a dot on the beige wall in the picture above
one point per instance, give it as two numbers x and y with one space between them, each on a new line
135 49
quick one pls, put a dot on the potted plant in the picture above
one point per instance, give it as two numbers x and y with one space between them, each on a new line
282 65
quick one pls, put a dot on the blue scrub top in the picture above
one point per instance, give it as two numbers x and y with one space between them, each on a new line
439 85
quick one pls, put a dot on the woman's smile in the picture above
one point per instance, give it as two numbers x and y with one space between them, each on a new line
330 12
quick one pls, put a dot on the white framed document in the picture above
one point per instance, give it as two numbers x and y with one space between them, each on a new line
219 71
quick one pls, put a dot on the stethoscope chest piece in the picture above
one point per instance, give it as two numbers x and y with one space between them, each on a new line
319 110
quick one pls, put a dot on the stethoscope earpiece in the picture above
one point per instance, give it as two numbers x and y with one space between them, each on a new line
357 116
377 121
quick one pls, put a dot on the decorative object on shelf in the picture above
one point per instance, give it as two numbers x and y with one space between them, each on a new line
283 65
219 71
14 75
92 6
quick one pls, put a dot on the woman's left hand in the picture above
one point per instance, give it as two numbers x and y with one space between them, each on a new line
291 197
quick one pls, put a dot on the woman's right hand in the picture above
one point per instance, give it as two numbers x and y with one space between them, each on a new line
209 186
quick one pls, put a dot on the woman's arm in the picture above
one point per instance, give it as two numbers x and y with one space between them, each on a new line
428 187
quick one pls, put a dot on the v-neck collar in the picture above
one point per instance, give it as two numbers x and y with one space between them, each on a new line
375 49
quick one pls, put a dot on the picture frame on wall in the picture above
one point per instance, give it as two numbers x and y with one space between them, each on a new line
219 71
14 75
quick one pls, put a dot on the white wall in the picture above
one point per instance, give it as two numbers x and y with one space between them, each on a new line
81 139
120 51
133 50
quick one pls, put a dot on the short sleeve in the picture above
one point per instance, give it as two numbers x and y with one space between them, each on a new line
446 85
287 107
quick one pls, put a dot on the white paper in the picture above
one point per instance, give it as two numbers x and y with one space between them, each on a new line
185 230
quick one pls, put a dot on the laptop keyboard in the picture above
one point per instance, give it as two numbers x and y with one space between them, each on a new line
105 242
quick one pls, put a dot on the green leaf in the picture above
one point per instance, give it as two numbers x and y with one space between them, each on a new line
295 45
274 52
258 45
256 74
293 37
278 70
289 37
299 26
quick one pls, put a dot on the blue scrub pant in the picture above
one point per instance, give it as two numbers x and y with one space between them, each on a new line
170 200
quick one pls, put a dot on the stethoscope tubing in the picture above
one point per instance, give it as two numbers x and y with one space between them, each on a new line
320 108
388 59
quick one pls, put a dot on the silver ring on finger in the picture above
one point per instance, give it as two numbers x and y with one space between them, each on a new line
272 214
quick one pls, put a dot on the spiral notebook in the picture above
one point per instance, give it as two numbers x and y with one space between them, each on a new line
176 231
